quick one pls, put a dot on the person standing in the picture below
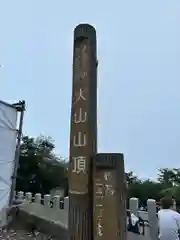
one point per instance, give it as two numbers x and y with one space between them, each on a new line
169 220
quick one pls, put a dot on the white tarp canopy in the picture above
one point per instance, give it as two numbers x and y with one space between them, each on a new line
8 136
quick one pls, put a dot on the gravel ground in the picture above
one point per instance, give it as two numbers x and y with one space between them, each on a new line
20 235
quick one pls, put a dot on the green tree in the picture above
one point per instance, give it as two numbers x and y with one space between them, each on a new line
168 184
145 190
131 178
176 179
167 176
170 178
40 169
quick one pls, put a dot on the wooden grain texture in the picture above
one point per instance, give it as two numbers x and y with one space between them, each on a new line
83 133
109 197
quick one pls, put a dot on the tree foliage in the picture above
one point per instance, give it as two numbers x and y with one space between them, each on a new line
168 183
40 169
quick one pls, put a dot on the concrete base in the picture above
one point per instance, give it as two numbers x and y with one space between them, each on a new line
35 217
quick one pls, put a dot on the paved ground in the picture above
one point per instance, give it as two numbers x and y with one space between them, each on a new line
132 236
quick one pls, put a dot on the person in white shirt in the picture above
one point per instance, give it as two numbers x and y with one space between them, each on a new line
133 222
169 220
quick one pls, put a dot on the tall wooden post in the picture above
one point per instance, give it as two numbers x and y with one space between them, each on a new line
109 197
83 135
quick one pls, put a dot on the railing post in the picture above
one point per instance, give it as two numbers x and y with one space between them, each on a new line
134 205
66 203
47 200
153 220
56 203
38 198
28 197
20 195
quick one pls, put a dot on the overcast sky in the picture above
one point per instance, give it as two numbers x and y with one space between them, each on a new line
138 75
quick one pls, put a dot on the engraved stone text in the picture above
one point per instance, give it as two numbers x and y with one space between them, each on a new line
109 190
80 117
99 223
79 165
99 190
80 75
79 140
80 96
108 176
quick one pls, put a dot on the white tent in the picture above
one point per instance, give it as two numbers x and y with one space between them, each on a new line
8 138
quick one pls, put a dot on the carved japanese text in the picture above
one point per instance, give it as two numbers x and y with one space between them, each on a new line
79 140
99 190
99 223
108 176
79 165
109 190
80 75
80 96
80 116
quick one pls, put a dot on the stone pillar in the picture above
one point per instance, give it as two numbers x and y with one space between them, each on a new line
134 205
83 135
37 198
66 203
47 198
20 195
56 203
28 197
153 220
109 197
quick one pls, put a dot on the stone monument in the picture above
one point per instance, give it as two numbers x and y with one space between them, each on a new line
83 133
97 208
109 197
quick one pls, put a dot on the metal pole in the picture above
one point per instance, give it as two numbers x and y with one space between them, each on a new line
21 108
